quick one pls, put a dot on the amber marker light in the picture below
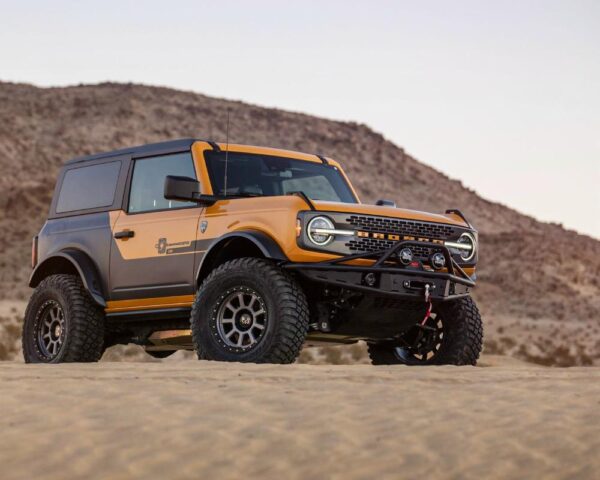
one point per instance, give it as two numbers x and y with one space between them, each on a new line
34 252
298 227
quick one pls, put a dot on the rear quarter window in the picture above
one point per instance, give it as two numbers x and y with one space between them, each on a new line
90 187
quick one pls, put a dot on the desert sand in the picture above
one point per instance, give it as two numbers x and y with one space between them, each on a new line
505 419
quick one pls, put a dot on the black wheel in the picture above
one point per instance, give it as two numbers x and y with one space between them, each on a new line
453 335
62 323
160 353
249 310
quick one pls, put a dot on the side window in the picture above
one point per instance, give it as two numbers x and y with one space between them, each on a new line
148 182
90 187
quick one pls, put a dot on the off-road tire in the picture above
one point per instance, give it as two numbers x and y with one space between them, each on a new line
287 316
461 345
160 353
83 322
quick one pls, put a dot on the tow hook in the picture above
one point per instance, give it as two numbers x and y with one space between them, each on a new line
428 303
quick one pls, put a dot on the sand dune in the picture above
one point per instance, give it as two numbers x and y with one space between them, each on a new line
212 420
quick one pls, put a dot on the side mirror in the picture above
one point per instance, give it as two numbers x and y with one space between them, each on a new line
186 189
385 203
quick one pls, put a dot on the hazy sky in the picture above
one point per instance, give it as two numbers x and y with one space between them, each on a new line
504 95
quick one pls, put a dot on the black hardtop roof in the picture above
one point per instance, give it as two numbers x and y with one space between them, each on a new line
151 149
159 148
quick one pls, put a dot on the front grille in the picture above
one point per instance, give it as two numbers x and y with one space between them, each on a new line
397 227
375 245
402 227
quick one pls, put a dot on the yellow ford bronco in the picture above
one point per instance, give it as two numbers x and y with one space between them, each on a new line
244 254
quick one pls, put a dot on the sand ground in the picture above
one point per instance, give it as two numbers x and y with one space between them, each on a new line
209 420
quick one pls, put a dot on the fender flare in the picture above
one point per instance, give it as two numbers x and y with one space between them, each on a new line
85 268
267 246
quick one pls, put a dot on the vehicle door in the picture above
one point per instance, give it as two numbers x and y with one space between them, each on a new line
154 251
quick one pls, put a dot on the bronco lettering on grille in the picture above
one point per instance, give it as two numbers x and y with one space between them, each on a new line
396 238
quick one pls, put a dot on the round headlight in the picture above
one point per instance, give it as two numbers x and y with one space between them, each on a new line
318 229
467 239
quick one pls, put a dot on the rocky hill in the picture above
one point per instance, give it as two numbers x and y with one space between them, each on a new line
539 284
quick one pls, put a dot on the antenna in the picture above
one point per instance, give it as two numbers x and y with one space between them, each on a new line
226 154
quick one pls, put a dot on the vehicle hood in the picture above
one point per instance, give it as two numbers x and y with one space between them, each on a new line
392 212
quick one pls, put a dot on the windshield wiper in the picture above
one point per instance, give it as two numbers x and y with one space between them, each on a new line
244 194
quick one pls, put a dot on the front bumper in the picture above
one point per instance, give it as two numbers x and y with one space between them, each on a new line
386 276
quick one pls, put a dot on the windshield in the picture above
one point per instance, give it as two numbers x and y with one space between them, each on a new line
266 175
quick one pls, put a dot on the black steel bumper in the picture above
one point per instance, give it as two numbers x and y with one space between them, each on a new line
388 277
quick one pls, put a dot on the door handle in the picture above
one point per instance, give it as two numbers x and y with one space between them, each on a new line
124 234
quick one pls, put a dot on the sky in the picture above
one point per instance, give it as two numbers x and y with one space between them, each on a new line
503 95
